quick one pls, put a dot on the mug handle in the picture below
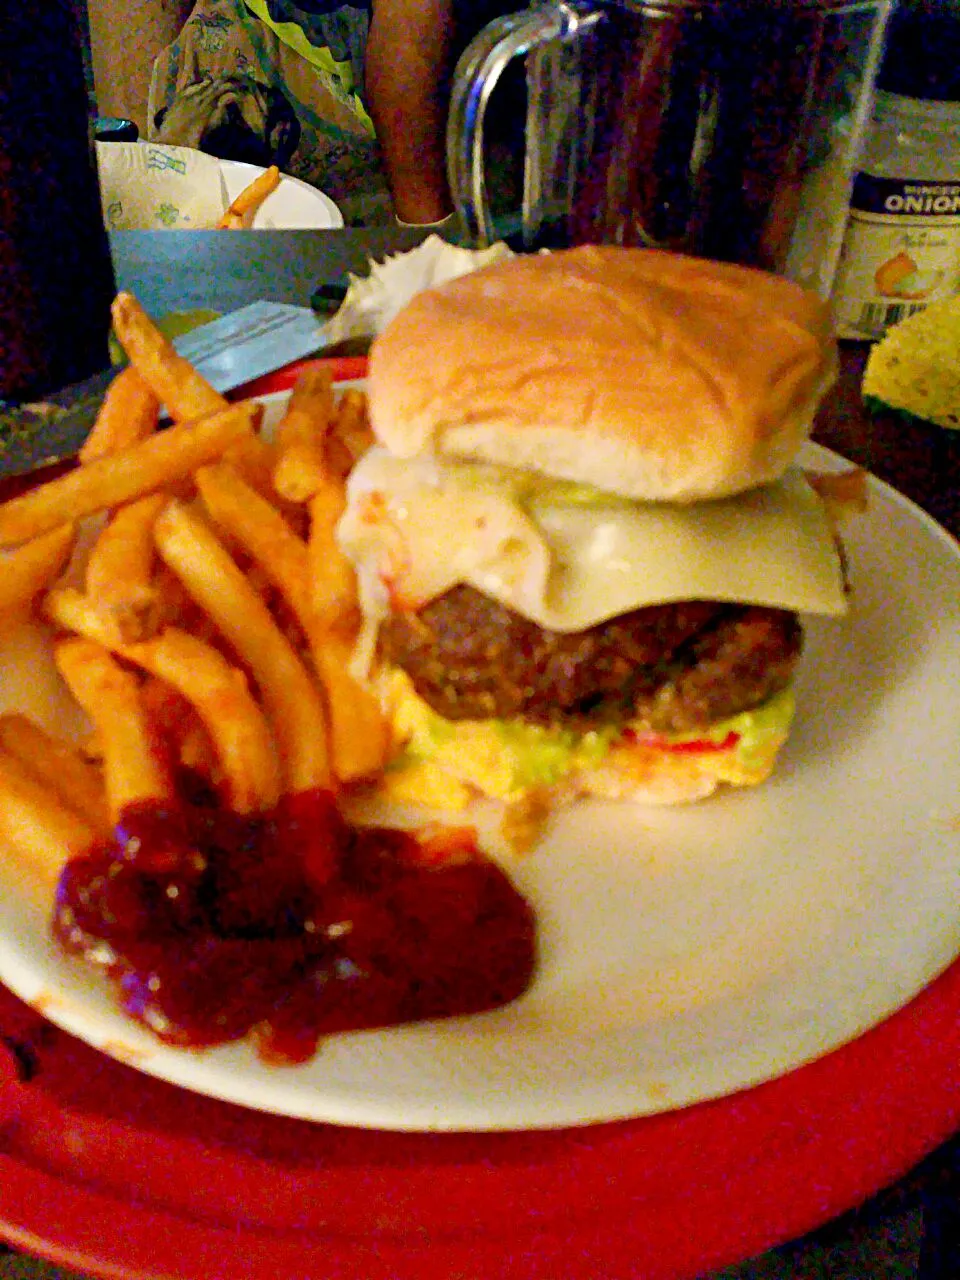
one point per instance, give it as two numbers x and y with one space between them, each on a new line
477 73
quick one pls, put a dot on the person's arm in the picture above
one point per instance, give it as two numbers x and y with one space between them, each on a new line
407 84
124 41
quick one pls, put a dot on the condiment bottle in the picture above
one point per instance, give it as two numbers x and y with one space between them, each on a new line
901 248
56 278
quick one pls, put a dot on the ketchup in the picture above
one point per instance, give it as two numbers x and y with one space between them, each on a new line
290 926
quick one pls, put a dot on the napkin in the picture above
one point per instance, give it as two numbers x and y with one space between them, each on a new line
146 186
373 300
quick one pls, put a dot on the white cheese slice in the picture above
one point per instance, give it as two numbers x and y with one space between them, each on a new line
567 557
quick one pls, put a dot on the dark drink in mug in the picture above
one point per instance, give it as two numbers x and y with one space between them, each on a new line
56 278
728 129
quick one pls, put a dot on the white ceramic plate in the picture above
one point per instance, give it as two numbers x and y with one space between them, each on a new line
295 205
686 953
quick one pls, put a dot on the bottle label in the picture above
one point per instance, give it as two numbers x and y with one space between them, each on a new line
901 251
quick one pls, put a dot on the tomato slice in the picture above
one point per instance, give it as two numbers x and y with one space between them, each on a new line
689 748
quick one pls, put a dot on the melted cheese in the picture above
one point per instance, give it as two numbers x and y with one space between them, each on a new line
567 557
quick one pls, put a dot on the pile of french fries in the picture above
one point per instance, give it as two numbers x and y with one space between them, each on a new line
202 613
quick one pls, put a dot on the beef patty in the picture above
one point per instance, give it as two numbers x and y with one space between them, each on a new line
675 667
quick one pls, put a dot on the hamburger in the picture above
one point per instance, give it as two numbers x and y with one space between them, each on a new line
581 543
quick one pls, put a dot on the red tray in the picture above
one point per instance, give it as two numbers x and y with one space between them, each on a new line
121 1175
115 1173
342 369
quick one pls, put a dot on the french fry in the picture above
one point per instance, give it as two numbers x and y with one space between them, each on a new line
59 766
139 469
70 609
219 694
359 731
110 695
246 518
129 413
351 426
350 434
292 700
333 581
177 608
181 729
90 748
174 381
198 754
31 568
260 584
228 750
301 469
302 466
249 200
38 833
339 459
120 577
254 459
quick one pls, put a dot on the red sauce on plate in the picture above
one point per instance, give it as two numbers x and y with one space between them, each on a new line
292 925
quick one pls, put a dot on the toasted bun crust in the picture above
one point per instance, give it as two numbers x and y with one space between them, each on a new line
652 375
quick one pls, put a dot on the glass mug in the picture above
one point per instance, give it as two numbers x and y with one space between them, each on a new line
727 129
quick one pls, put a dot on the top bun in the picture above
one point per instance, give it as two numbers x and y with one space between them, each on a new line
647 374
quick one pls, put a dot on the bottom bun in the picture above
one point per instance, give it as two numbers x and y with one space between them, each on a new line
443 764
